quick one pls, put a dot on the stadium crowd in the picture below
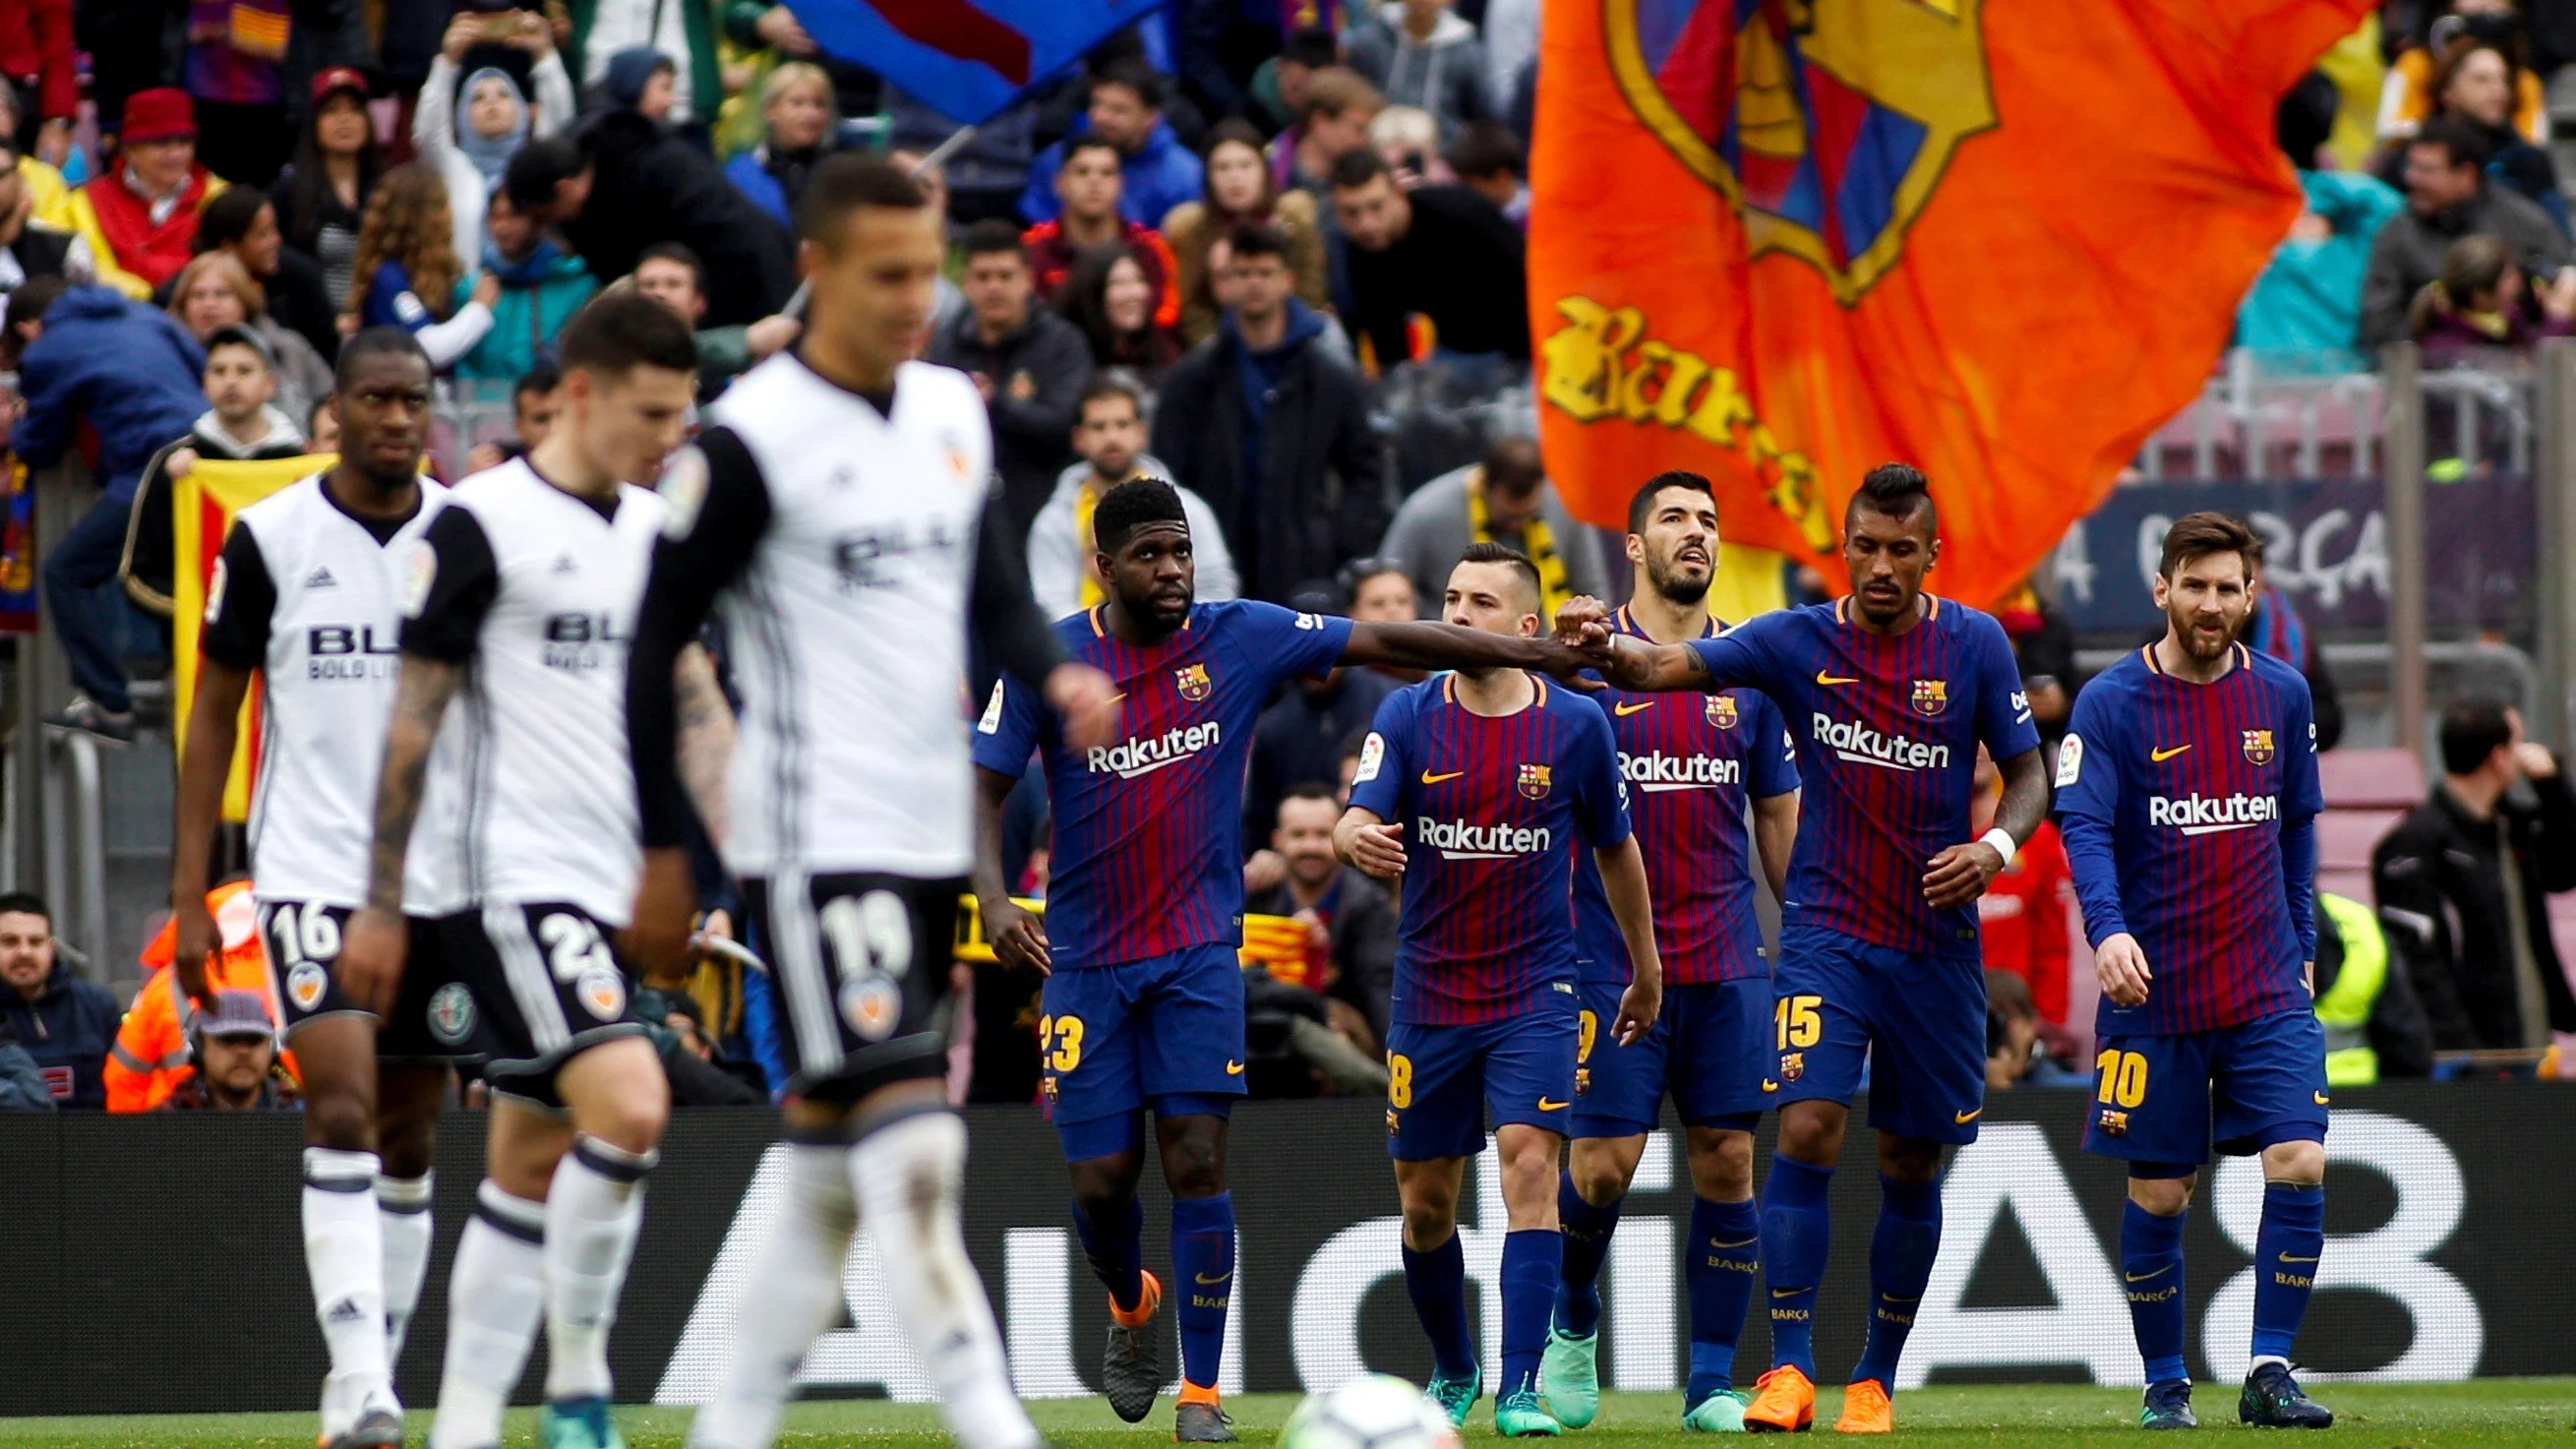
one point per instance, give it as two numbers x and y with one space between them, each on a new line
1271 253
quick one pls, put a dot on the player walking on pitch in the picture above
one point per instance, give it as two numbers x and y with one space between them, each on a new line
840 514
1888 692
2188 791
307 596
1692 763
1472 790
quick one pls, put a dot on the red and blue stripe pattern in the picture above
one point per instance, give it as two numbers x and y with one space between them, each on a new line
966 59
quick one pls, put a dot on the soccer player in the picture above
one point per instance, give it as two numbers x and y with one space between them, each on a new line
840 513
1143 1004
1888 692
1693 763
520 605
307 596
1472 790
2187 787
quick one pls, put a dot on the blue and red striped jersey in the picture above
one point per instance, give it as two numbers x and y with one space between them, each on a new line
1887 731
1692 762
2187 810
1147 855
1491 809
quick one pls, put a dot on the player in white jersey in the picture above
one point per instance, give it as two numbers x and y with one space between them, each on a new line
307 598
840 513
521 608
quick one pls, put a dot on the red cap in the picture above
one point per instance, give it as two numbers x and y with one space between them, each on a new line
159 114
338 78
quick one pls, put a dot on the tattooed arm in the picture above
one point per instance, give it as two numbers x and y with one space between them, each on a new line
371 956
704 752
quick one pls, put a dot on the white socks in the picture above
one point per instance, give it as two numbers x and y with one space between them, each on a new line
593 1213
344 1254
402 1207
907 1175
495 1294
794 1288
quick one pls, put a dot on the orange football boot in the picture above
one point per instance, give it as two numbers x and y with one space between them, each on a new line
1784 1401
1866 1410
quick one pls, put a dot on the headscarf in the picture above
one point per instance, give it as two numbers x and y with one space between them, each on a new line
628 71
490 154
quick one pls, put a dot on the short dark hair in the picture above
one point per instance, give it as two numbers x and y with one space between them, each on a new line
2198 535
2459 142
616 332
680 252
1895 490
990 236
1485 148
846 181
33 299
1486 551
1130 506
1259 239
536 168
25 903
1133 73
382 341
1512 466
1641 505
227 218
2472 729
236 335
1311 790
542 376
1106 385
1091 141
1312 46
1356 169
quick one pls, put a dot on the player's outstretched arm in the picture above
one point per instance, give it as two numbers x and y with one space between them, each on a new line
371 957
1019 939
213 730
1961 873
1369 844
1428 645
1623 879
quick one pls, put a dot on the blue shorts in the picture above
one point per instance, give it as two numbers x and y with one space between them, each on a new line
1165 1033
1917 1023
2162 1101
1708 1048
1441 1080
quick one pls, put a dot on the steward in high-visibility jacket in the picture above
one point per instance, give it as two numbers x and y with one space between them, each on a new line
151 1059
2374 1025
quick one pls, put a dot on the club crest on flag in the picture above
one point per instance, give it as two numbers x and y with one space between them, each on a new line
1931 696
1534 781
2258 747
1193 681
1721 711
1826 126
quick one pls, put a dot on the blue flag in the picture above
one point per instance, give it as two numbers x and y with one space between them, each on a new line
967 59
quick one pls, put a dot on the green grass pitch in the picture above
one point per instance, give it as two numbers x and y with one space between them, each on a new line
2488 1413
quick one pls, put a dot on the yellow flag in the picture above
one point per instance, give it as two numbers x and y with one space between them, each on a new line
202 506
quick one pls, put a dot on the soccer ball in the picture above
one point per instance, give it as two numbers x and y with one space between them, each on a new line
1378 1411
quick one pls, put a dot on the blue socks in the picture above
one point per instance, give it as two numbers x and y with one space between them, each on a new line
1436 1280
1203 1276
1533 1262
2151 1272
2286 1249
1901 1250
1795 1234
1587 1242
1725 1249
1116 1249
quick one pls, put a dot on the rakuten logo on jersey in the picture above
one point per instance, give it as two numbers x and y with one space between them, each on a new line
1143 757
2213 814
1858 743
1458 840
1659 772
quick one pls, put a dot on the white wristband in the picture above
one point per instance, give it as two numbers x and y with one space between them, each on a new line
2001 839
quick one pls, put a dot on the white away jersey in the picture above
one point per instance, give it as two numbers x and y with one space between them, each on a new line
310 595
534 591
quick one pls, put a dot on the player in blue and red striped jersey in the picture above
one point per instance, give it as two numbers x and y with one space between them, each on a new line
1144 999
1888 693
1473 788
1693 764
2187 787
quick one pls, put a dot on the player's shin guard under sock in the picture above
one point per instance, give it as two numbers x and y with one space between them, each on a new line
1796 1230
593 1213
1533 1262
1436 1280
1113 1242
2286 1249
2151 1271
495 1295
1725 1251
344 1254
790 1294
1901 1250
907 1173
1587 1232
1203 1269
402 1208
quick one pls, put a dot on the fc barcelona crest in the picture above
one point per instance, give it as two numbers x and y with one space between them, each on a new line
1721 711
1931 696
1534 781
1793 1065
2258 747
1194 682
2114 1124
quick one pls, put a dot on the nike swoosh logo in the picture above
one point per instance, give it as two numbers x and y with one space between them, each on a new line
1769 1085
2286 1258
1205 1281
1234 1069
1429 778
1787 1292
2160 756
2322 1098
1625 710
2142 1277
1748 1242
1545 1105
1823 678
1964 1118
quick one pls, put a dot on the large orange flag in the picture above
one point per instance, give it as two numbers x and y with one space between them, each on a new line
1780 241
202 506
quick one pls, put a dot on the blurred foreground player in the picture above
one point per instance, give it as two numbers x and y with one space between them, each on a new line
2188 790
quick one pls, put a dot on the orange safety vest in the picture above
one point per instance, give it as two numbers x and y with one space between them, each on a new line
150 1059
